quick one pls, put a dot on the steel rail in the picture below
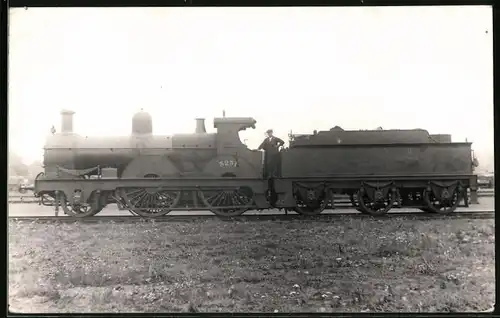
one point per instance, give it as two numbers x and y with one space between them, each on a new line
255 217
18 198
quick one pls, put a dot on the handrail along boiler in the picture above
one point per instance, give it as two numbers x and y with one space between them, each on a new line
151 175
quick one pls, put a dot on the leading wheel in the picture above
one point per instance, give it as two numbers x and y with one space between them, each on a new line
81 210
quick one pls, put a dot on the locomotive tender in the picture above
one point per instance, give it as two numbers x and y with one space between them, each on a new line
151 175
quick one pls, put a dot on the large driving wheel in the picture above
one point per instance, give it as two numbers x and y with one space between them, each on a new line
150 202
227 203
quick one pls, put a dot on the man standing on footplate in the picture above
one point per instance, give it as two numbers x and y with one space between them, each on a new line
271 146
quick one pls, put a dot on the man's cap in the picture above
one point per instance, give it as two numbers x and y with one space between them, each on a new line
269 131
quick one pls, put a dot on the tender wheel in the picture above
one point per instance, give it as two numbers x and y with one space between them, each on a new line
310 209
379 205
227 203
426 210
314 204
354 201
150 202
448 204
81 210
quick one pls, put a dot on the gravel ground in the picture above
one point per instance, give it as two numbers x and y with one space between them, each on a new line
347 265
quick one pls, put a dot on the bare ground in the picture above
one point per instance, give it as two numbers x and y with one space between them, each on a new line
349 265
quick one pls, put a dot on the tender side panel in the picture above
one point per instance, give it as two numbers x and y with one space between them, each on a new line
380 160
364 137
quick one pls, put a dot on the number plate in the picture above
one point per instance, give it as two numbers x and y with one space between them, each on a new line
228 163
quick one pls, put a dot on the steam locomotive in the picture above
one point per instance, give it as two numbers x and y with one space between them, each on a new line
151 175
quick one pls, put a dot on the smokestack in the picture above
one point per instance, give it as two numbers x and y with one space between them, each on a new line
67 121
200 126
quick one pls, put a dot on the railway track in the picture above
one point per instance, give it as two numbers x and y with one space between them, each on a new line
253 217
29 198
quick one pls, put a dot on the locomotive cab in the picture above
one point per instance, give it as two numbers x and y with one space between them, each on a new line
228 129
231 150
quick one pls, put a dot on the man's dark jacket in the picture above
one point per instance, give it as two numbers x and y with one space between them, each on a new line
271 156
271 144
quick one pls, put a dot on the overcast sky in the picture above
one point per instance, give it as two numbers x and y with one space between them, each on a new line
294 69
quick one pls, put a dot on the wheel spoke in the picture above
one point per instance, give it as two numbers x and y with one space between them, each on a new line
226 202
143 203
132 192
140 194
140 199
217 199
150 202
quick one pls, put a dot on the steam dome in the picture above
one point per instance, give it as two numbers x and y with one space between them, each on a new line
142 123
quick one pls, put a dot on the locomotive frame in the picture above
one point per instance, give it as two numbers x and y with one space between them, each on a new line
228 189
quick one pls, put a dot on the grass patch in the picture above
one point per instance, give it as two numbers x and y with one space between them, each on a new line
348 265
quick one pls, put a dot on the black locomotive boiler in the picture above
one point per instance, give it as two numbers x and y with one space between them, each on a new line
151 175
